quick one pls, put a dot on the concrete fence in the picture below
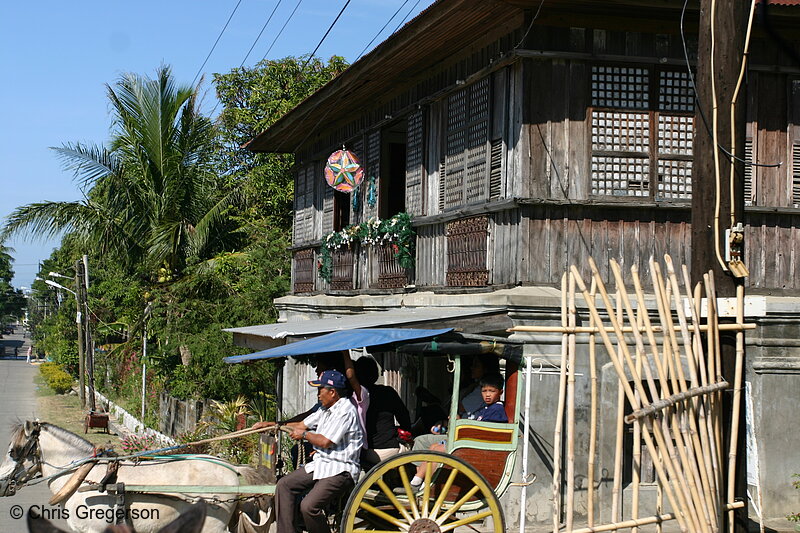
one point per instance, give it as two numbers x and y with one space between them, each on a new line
130 422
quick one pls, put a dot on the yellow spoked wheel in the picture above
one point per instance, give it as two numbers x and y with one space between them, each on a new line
454 497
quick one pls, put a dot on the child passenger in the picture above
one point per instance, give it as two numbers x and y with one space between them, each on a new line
491 410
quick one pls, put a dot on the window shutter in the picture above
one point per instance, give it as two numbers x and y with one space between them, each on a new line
496 169
796 174
414 170
327 207
373 172
304 205
442 181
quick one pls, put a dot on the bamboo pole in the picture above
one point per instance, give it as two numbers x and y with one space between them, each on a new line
625 329
592 417
659 499
658 519
665 403
736 407
562 389
676 453
706 432
672 350
651 446
637 438
713 336
616 512
571 321
693 440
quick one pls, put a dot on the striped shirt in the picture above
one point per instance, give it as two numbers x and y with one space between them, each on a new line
339 424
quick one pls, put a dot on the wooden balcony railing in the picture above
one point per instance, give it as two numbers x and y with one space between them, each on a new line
466 252
344 260
304 271
390 274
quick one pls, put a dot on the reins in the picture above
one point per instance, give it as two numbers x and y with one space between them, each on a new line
97 458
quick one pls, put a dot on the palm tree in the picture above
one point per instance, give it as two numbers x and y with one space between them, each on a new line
151 197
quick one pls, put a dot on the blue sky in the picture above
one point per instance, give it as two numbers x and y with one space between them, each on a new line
56 58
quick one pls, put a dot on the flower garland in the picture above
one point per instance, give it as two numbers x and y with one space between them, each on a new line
395 231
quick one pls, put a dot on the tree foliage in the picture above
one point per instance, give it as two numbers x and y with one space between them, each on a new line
254 98
179 220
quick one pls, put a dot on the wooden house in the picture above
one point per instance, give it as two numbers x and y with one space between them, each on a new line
523 136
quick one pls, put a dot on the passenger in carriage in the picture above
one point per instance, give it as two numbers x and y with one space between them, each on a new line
386 413
491 409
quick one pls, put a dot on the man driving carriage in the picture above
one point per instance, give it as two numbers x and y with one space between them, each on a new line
335 433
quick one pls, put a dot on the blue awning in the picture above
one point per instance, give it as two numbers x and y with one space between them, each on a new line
341 340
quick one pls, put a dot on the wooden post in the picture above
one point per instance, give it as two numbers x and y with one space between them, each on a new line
722 30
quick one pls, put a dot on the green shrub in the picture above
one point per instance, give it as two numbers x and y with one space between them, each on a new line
56 378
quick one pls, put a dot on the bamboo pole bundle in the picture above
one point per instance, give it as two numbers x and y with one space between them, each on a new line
678 380
676 499
706 425
692 460
624 329
714 358
616 512
637 436
560 412
736 407
590 467
571 321
694 357
677 454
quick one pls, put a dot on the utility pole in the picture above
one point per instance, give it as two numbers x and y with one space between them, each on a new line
79 321
87 334
718 204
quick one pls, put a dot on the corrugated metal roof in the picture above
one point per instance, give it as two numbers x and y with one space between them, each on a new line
405 316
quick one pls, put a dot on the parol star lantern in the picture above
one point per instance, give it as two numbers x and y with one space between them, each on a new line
343 171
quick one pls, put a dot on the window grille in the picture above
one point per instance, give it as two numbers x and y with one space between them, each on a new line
642 129
620 87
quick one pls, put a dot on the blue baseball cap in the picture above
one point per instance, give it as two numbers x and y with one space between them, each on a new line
330 378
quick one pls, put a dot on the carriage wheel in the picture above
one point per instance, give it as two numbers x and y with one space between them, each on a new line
455 496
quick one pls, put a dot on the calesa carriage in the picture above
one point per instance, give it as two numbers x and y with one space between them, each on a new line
655 353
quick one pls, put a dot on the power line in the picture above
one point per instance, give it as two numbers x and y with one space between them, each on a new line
326 34
216 42
264 27
282 28
407 15
383 28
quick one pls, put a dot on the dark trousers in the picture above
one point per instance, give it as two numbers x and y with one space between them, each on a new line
320 494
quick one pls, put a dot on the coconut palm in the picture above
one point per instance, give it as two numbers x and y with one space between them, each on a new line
150 196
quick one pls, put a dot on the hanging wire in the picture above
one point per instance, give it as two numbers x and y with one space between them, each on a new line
264 27
216 42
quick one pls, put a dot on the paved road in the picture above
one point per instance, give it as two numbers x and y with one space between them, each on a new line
18 402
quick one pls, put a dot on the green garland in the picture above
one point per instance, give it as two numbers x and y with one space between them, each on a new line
396 231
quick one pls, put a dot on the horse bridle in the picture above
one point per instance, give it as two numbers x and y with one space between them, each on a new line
21 475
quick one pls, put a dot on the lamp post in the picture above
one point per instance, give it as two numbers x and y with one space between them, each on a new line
79 322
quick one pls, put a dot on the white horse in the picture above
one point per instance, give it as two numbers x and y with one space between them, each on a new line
41 448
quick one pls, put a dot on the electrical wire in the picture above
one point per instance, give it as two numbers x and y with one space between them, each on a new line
281 30
406 17
216 42
384 27
347 3
735 96
264 27
700 108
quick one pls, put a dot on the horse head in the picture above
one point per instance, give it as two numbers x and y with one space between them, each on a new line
23 460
